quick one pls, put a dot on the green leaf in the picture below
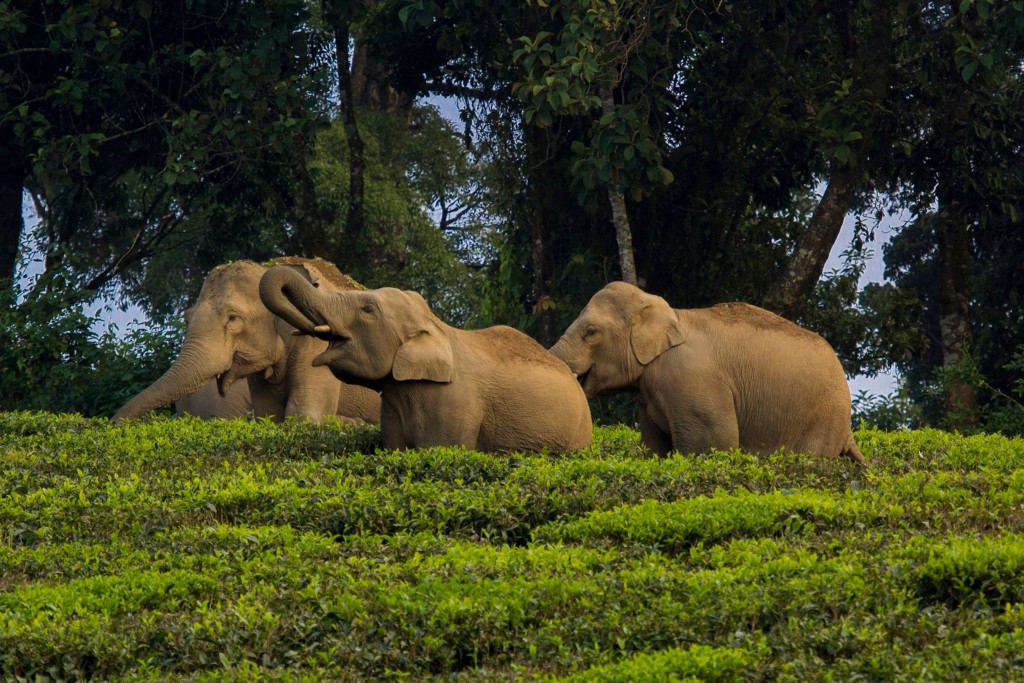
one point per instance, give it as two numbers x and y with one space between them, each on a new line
638 68
969 69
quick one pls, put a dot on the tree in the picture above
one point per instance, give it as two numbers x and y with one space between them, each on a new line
960 170
577 70
119 118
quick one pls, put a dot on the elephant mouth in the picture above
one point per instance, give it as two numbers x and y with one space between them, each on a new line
337 346
335 340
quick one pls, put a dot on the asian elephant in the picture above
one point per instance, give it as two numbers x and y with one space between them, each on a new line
494 389
733 375
232 336
208 403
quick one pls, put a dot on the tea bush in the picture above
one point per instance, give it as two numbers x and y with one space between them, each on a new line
234 550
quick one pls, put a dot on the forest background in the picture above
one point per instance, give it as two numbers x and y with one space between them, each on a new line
708 151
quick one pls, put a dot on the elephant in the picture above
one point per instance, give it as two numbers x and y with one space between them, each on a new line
208 403
729 376
232 336
493 389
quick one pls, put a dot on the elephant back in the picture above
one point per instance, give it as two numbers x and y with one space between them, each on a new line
319 271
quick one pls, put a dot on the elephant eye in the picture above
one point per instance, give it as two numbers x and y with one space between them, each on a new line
367 308
589 332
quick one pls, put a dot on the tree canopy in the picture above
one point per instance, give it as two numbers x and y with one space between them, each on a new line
710 151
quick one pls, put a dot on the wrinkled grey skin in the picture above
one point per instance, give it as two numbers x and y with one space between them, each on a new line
232 336
733 375
207 403
494 389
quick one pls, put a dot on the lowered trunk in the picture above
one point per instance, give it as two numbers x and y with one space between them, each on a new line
196 365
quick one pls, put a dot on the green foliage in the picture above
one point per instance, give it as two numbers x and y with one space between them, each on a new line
409 168
872 329
895 410
229 550
135 122
1001 411
51 358
578 69
695 663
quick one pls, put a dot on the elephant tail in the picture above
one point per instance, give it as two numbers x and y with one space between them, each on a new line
852 452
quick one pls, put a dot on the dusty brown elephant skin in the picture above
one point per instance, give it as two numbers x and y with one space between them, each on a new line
494 389
733 375
207 403
232 336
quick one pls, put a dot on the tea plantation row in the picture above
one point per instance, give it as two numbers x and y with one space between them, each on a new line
178 549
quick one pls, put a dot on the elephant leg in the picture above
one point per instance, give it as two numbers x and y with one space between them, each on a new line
657 441
392 429
422 430
359 403
312 392
267 399
707 422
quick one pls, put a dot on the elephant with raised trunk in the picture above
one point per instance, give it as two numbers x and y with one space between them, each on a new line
494 389
733 375
232 336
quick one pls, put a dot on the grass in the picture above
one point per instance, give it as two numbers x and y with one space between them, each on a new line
178 549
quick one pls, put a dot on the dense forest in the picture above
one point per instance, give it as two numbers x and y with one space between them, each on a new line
706 151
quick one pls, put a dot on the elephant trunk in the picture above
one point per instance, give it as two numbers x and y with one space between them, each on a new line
565 350
189 373
285 292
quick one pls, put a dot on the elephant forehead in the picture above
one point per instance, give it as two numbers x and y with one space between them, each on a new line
607 310
618 299
239 279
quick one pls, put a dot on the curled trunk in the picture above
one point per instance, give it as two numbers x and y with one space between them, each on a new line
281 288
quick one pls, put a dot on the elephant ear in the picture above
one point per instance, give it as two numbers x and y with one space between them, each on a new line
655 329
425 355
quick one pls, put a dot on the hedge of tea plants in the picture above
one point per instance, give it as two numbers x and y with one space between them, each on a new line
177 549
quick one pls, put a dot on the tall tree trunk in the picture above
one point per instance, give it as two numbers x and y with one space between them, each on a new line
12 184
954 312
347 115
620 219
871 63
537 165
790 294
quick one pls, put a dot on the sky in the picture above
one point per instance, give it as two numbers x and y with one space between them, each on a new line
111 315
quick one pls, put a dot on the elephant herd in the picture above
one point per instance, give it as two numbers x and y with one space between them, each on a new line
311 342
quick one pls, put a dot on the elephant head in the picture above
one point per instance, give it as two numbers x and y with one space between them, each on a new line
373 335
621 330
231 334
